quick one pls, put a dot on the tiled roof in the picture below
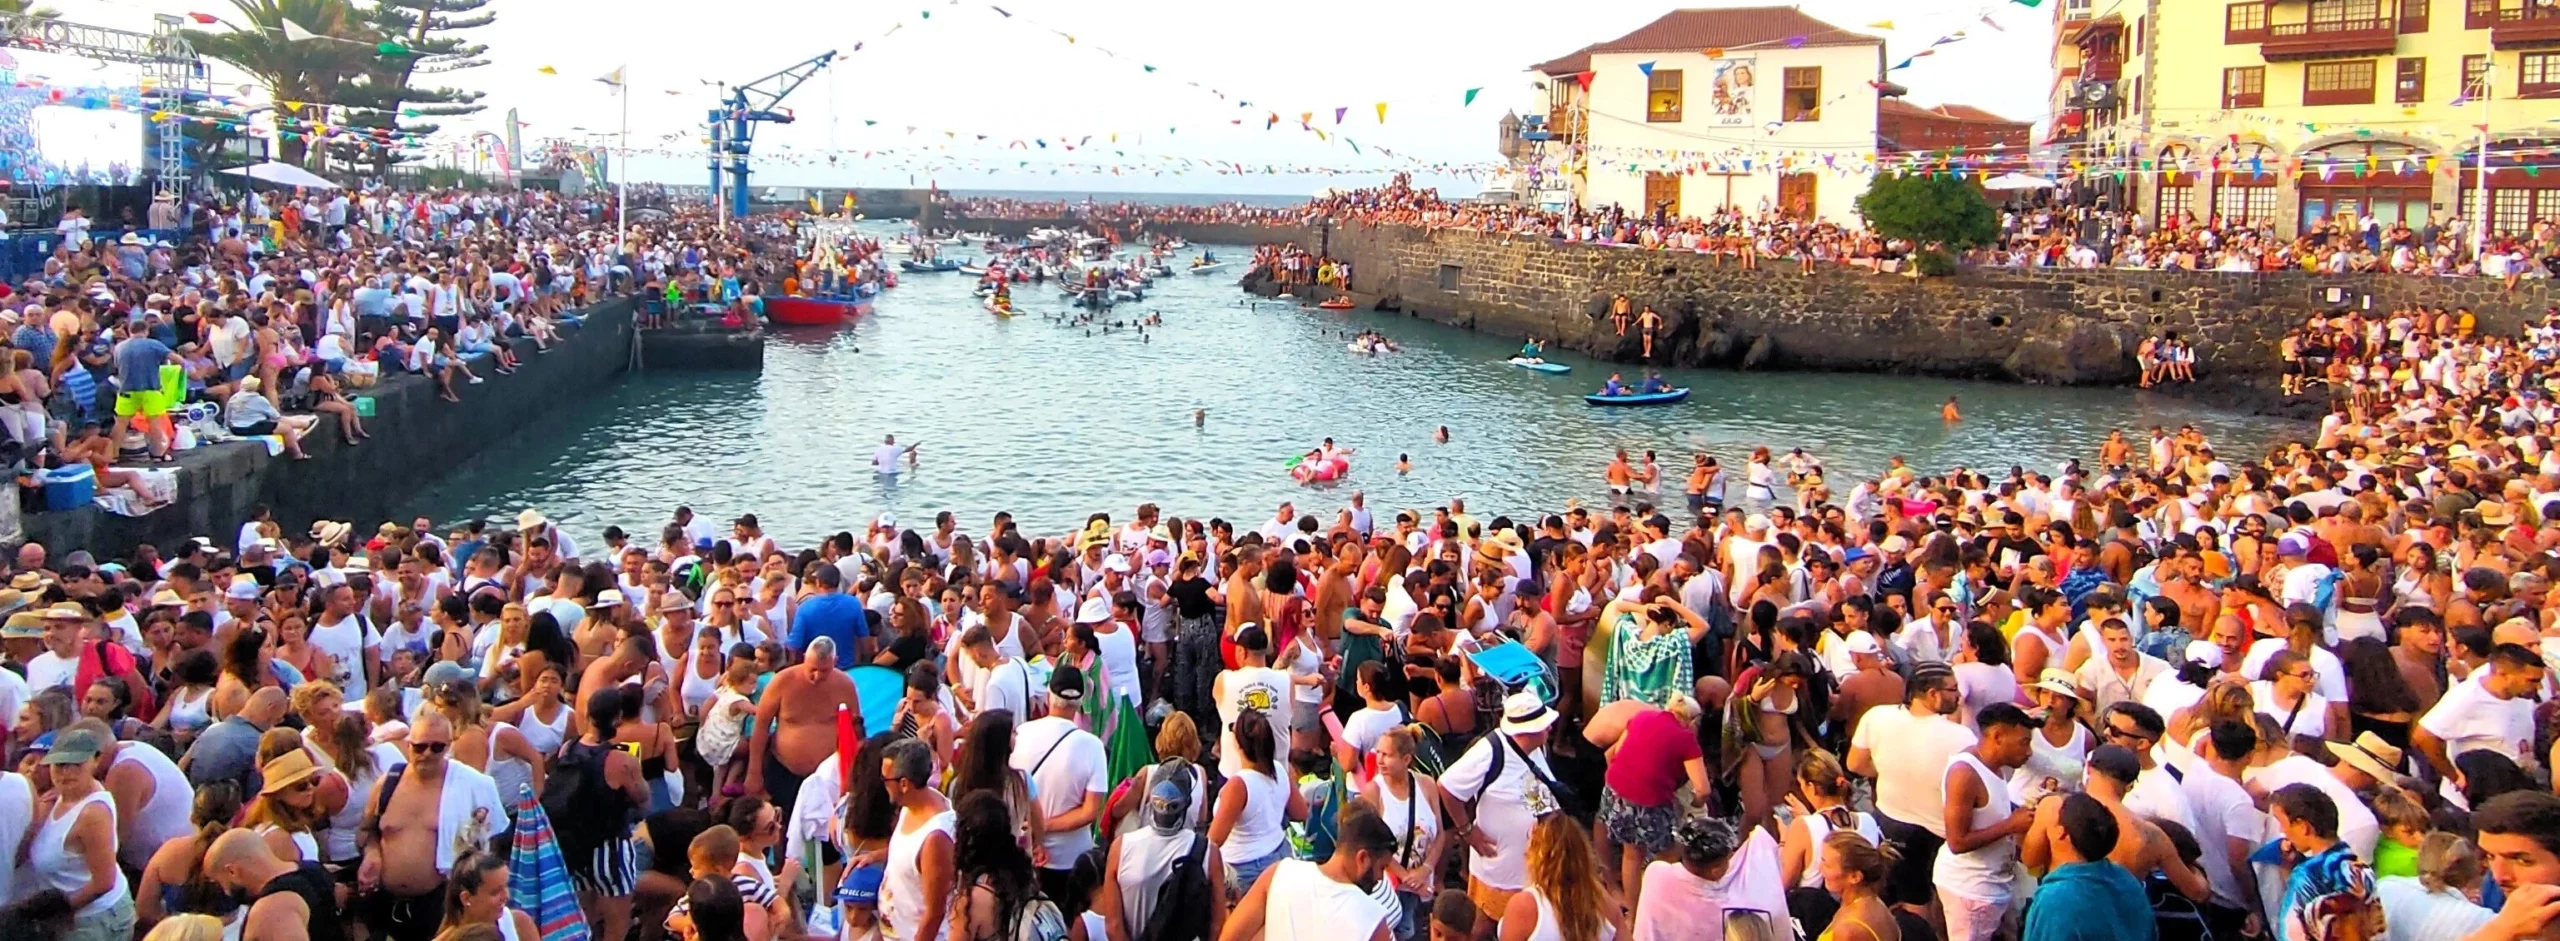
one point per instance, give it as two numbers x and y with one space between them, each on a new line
1966 113
1736 28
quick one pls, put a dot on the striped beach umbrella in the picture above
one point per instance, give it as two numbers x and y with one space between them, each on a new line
538 878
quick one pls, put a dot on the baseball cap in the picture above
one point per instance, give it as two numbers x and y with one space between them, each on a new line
1067 685
1865 643
2204 652
73 745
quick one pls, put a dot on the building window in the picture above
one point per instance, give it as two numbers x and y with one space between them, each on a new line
2244 87
2538 75
2245 205
2410 87
2479 14
2413 16
2345 14
2137 35
2338 83
2475 71
2244 22
1662 97
2175 201
1804 94
1449 278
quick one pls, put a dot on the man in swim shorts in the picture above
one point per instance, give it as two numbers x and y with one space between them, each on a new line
139 395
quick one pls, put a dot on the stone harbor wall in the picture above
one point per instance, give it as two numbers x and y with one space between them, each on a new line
417 437
2042 326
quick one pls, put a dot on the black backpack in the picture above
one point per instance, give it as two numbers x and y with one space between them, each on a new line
576 770
1181 912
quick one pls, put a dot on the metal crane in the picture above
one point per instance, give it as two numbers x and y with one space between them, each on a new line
733 124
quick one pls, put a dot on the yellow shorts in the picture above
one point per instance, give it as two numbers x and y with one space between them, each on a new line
145 404
1492 902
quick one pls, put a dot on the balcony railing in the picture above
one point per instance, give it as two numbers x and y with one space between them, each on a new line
2331 39
2102 69
2514 27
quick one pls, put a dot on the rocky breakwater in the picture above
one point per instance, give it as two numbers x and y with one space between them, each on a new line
2063 327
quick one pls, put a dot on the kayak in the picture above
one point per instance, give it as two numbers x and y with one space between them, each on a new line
1541 366
1639 398
1339 303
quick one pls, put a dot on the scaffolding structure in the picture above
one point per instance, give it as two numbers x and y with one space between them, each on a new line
177 74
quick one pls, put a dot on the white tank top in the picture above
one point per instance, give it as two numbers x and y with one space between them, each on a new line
1817 828
2064 763
545 737
1547 930
1985 873
902 895
190 714
1306 903
304 843
1263 826
54 866
1258 688
1119 650
695 689
167 816
1411 841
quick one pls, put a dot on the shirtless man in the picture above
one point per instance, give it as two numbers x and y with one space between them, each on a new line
803 700
1621 478
2145 848
633 657
402 830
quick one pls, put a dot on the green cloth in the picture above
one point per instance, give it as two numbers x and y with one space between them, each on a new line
2394 858
1646 669
1126 749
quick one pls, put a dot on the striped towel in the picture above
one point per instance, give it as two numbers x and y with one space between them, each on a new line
538 878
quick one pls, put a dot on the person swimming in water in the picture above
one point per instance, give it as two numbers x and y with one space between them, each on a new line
1948 411
1404 464
1441 435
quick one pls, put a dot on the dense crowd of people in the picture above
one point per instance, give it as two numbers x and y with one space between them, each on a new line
2037 229
2170 693
273 311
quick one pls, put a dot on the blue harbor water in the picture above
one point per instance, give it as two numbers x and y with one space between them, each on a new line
1054 422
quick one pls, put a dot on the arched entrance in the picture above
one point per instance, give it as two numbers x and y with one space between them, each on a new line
2348 181
2176 197
2244 190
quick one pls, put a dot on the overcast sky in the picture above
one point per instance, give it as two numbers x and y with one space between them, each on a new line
966 70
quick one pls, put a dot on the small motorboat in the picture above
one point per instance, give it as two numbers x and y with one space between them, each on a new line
974 271
929 267
813 311
1539 365
1665 397
1339 303
1207 267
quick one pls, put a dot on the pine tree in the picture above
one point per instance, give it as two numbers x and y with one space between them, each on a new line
386 103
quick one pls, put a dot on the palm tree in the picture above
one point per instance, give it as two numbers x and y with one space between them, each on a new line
295 72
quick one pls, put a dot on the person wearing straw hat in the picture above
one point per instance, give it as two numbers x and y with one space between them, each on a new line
288 813
1504 782
2366 762
2060 744
59 664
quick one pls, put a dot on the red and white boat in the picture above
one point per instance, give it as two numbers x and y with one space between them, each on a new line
813 311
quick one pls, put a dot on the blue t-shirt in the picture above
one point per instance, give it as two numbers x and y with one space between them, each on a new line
371 302
138 362
836 616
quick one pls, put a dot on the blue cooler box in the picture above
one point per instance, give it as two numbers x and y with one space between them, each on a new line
70 488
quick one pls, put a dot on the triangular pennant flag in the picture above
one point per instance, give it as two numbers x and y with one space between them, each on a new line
1795 42
1149 68
207 19
390 49
1713 52
1338 113
613 78
1646 68
2029 4
547 70
1995 27
1881 24
295 32
1382 112
1471 97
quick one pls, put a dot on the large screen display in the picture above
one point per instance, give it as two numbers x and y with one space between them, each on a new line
85 146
